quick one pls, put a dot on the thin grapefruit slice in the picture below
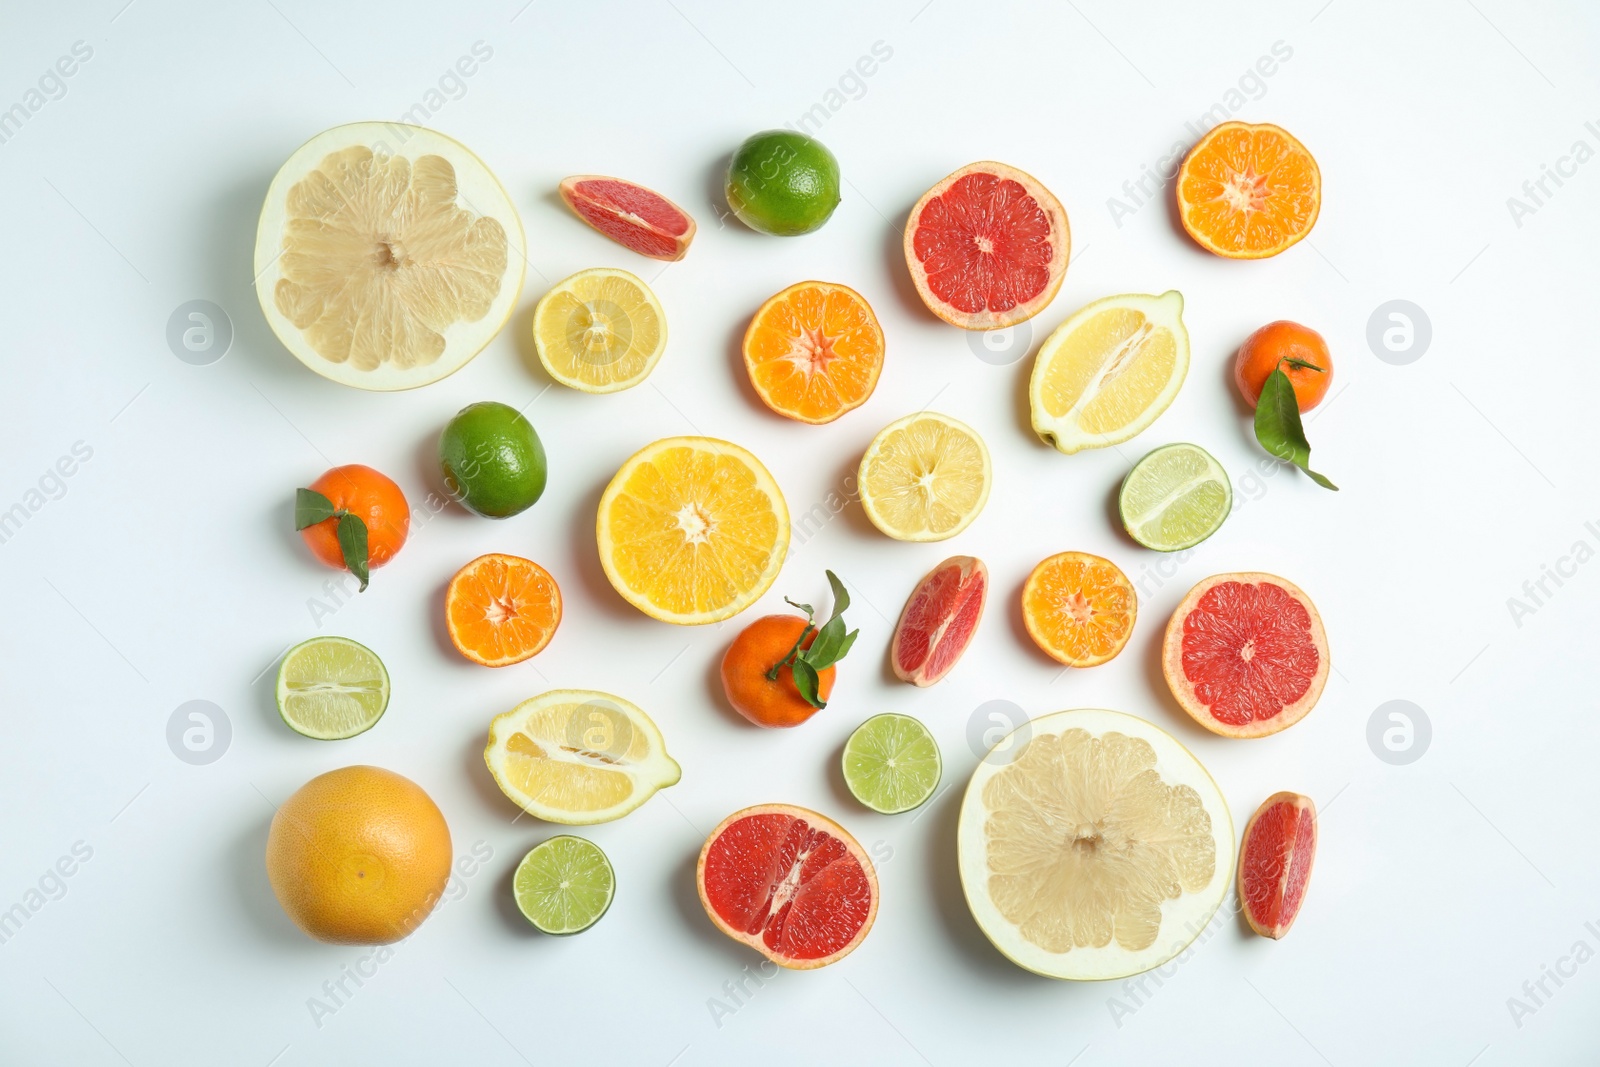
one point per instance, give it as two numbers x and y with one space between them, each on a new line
631 215
987 247
1248 192
1246 654
791 884
1280 843
938 621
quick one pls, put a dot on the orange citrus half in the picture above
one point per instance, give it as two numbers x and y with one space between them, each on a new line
1248 192
1079 608
814 351
502 609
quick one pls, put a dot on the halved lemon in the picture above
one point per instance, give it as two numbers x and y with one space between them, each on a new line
1109 371
692 530
387 255
1093 845
924 477
578 756
599 331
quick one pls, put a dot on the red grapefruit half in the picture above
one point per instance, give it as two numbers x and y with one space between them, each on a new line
630 215
939 620
1280 843
1246 654
791 884
987 247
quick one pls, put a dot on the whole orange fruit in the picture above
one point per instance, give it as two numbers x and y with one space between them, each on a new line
358 856
372 498
1291 345
770 701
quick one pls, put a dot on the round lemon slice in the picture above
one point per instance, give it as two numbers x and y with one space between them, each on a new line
1109 371
387 255
599 331
577 756
924 477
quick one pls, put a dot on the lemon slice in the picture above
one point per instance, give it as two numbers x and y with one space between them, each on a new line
599 331
692 530
387 255
577 756
1108 371
924 477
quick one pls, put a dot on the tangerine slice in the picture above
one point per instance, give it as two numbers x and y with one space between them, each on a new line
1248 192
1079 608
502 609
814 351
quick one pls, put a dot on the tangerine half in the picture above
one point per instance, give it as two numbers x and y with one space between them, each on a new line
1248 192
814 351
502 609
1079 608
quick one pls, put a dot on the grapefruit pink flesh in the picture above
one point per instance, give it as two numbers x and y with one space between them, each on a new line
1280 843
631 215
939 620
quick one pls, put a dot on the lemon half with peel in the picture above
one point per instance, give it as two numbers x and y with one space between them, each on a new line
924 477
1109 371
600 331
387 255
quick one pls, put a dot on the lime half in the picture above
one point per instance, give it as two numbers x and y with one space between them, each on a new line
1174 498
563 885
331 688
891 763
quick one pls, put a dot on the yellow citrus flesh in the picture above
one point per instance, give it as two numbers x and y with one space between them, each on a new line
692 530
924 478
600 331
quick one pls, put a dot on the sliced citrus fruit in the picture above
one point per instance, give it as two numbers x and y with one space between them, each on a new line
814 351
631 215
924 477
577 756
387 255
501 609
1095 847
1248 192
938 621
987 247
791 884
330 688
1246 654
1079 608
564 885
1109 371
1174 498
1280 843
892 764
692 530
599 331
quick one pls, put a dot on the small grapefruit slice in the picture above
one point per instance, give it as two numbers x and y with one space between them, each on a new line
631 215
791 884
1280 843
1246 654
987 247
938 621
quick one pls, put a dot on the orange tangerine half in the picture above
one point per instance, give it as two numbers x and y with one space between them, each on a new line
1079 608
502 609
814 351
1248 192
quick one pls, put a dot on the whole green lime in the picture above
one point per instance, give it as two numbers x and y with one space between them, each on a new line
783 183
493 461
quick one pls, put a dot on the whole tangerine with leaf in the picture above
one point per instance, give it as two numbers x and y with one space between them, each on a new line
353 518
1284 369
779 671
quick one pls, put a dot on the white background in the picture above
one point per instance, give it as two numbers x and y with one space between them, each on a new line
168 570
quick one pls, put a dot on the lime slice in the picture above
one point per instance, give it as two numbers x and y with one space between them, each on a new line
891 763
331 688
563 885
1175 497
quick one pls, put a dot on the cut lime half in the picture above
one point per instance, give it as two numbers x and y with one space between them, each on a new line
891 763
1174 498
564 884
330 688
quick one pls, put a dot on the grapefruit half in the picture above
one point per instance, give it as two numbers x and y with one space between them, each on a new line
938 621
631 215
1280 843
791 884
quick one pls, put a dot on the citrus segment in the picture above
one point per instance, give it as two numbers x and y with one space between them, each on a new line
938 621
564 885
1174 498
891 764
501 609
924 477
1248 192
631 215
1280 844
1079 608
330 688
814 351
599 331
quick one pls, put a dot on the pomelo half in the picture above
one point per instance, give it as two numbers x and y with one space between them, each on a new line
791 884
1246 654
1280 843
1092 845
938 621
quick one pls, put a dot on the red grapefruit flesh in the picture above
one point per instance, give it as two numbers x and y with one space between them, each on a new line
630 215
791 884
1246 654
939 620
987 247
1280 843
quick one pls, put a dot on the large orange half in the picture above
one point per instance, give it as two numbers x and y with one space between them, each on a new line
1079 608
814 351
1248 192
502 609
